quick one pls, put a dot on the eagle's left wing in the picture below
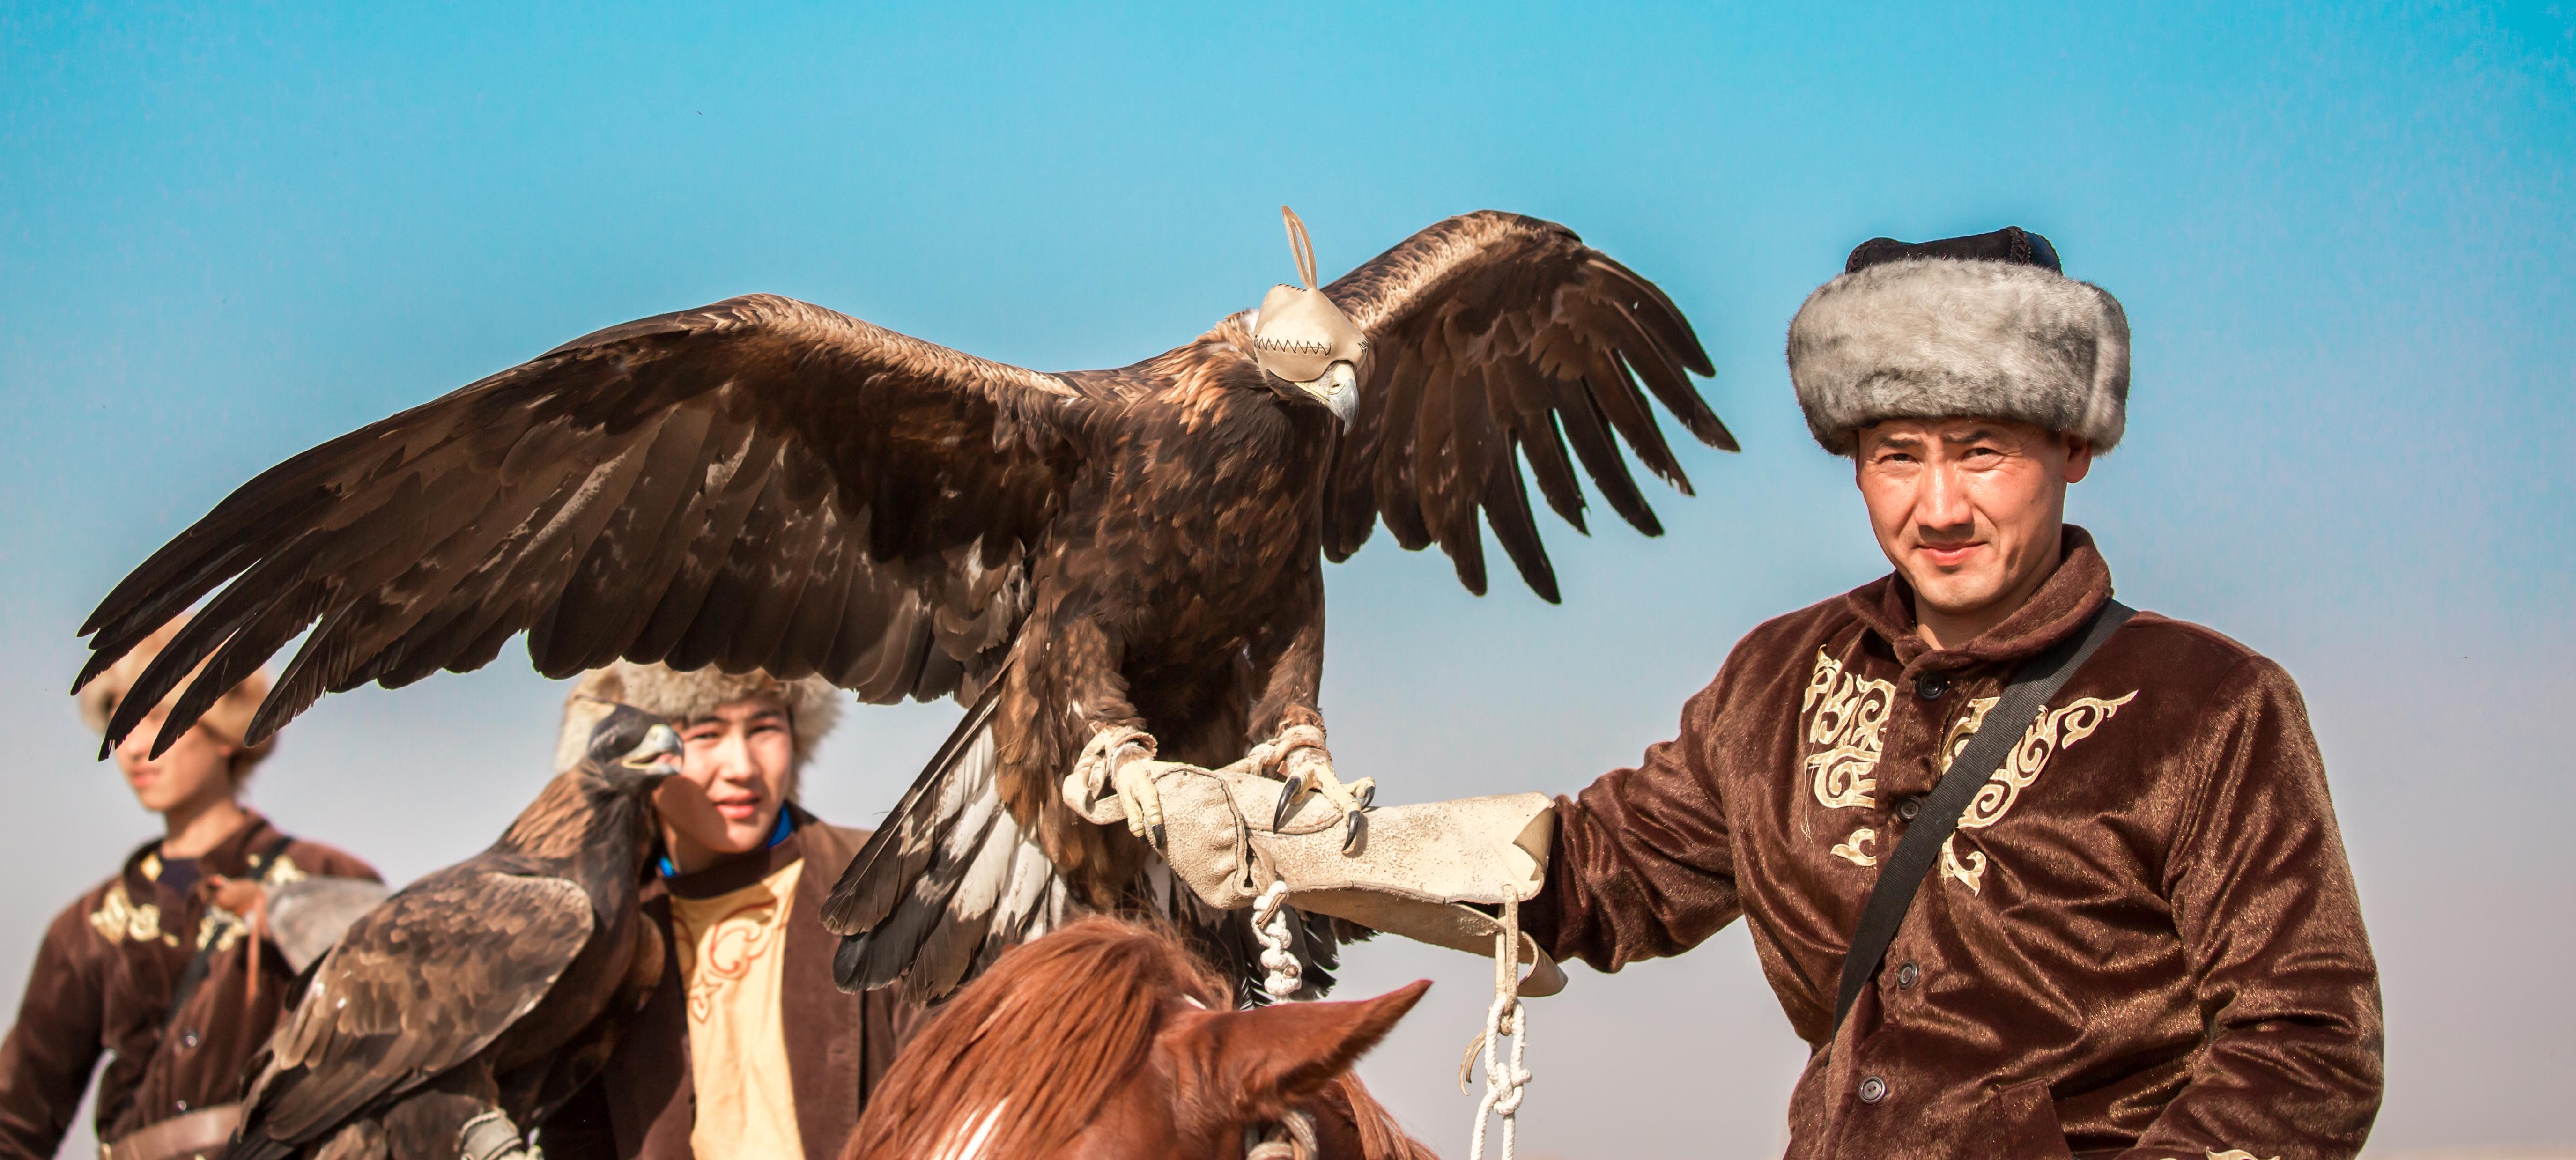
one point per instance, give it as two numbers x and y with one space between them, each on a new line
756 483
1492 333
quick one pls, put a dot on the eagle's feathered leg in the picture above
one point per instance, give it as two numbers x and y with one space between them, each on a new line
1288 668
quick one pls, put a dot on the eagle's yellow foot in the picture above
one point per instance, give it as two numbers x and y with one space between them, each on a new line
1120 761
1143 804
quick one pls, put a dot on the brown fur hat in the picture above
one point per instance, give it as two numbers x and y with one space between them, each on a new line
813 704
229 718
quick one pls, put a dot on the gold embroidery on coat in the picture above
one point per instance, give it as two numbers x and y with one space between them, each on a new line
220 927
117 917
283 871
1849 715
2051 731
1855 849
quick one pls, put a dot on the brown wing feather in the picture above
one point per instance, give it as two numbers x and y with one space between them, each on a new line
756 483
1493 334
418 986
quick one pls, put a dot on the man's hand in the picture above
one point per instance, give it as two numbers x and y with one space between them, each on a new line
244 898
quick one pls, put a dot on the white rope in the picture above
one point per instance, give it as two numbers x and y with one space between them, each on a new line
1270 925
1507 1017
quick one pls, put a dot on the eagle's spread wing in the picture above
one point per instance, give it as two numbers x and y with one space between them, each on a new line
417 987
1492 332
756 483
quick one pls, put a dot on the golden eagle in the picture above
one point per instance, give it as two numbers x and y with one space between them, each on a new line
1134 554
479 998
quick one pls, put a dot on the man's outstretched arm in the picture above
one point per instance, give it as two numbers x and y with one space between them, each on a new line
1643 863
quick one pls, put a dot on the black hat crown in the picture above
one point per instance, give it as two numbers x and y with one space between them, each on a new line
2009 244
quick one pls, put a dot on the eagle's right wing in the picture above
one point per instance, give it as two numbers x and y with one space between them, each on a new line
417 987
1497 338
759 483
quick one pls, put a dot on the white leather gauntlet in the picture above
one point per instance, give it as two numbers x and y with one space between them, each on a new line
1421 871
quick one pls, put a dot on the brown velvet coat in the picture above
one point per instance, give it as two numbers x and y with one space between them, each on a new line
102 985
2143 940
643 1105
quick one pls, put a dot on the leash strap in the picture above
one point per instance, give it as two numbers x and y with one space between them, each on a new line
202 963
1902 874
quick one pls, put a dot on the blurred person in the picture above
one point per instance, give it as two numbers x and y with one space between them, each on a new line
170 967
747 1048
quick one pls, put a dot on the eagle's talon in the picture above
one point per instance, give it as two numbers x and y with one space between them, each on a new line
1307 766
1288 795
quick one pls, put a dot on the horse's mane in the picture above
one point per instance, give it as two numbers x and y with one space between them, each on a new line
1025 1056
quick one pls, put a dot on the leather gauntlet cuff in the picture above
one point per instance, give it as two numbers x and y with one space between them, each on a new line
1427 872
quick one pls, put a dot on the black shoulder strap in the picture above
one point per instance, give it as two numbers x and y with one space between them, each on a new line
1902 874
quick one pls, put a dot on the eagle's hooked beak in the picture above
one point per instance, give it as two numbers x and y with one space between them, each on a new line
1338 389
659 753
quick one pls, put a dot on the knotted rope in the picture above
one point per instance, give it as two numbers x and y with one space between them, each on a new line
1270 925
1506 1017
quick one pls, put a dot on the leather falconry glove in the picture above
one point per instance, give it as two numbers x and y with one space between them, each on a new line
1422 871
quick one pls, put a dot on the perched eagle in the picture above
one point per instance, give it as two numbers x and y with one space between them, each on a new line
1134 554
479 998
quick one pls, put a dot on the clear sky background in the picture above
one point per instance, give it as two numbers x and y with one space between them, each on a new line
2343 241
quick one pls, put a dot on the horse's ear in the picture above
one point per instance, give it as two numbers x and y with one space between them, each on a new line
1289 1051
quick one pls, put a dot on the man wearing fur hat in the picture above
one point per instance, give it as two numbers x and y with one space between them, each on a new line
2141 938
169 968
2123 927
747 1049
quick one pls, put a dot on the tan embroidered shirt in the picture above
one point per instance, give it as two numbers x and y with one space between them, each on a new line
731 954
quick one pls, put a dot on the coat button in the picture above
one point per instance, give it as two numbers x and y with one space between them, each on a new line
1907 807
1930 686
1906 973
1873 1090
188 1038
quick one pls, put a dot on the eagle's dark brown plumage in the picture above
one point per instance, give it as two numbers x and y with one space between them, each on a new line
765 483
487 986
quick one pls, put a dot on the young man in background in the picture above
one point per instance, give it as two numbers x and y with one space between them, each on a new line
167 967
748 1048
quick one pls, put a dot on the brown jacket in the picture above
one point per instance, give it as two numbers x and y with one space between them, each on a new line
2142 941
643 1105
103 980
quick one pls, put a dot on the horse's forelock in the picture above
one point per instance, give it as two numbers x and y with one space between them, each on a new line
1023 1057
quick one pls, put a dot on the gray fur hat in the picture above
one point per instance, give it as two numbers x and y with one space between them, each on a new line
813 704
1984 326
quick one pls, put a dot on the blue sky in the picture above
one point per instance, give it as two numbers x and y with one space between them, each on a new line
2342 239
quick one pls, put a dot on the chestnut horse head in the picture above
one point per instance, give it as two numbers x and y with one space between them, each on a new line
1109 1041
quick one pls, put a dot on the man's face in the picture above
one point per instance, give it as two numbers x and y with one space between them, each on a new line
736 771
1968 510
196 771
